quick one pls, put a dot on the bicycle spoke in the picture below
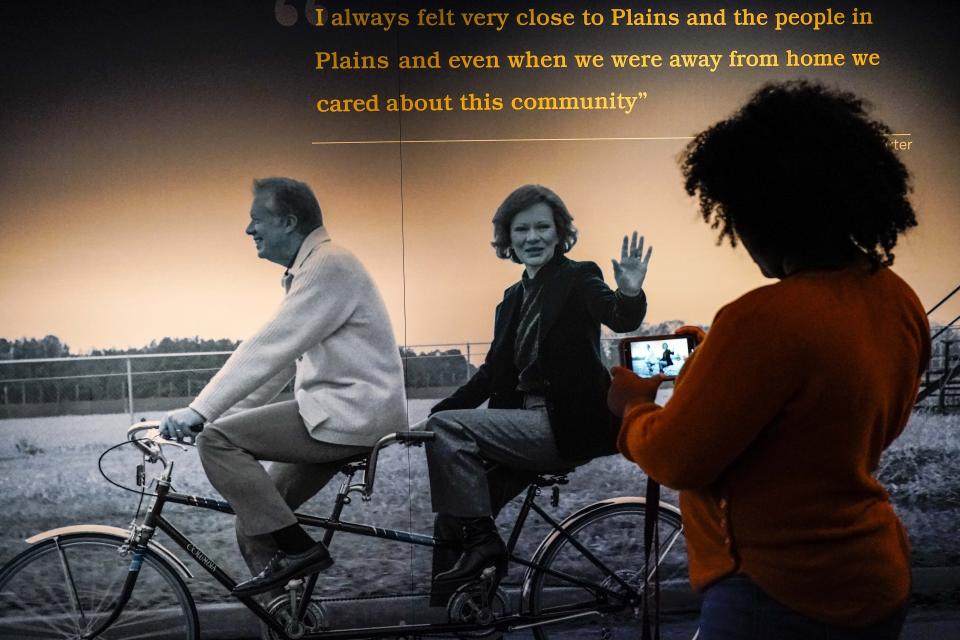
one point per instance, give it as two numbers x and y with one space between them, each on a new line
665 551
68 577
93 576
122 631
15 628
579 581
603 548
100 598
586 553
108 593
147 618
63 622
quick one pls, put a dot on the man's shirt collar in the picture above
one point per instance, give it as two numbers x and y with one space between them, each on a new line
313 240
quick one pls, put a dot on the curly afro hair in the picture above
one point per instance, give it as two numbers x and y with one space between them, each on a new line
799 164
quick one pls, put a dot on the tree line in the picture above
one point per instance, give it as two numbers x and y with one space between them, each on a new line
70 379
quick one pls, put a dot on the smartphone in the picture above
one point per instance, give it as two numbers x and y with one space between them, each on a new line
647 356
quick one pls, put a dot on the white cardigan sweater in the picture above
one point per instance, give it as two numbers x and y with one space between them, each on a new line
333 332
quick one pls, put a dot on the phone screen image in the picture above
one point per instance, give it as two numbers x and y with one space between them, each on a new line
660 355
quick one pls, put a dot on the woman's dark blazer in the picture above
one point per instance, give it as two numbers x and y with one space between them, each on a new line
575 301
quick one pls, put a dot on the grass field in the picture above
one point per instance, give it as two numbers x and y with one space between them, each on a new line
49 478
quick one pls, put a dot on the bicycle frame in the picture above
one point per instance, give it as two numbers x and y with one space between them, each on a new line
606 599
334 524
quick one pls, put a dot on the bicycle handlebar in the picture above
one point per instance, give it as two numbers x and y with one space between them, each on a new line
414 438
407 438
150 445
143 425
146 445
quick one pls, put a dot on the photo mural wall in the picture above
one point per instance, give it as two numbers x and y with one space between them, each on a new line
132 132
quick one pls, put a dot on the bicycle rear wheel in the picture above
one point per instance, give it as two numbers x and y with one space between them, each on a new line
613 534
66 586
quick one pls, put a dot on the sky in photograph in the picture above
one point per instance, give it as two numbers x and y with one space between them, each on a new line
132 131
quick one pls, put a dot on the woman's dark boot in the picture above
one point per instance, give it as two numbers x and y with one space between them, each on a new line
450 530
482 547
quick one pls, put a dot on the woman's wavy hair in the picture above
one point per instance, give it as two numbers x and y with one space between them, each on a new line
798 164
521 199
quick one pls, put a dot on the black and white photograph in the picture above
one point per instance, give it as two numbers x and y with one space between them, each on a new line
376 319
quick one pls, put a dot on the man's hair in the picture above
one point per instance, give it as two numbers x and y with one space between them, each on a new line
287 196
801 164
521 199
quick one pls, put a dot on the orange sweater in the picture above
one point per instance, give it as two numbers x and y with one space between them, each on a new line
774 429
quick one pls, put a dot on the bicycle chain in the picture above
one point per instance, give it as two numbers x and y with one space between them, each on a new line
389 596
606 633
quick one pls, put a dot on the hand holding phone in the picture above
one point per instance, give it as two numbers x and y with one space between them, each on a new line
626 388
697 333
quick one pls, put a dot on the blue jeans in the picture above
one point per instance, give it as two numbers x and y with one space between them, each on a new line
734 608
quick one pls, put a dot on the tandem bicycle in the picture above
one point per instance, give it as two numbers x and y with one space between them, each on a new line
585 579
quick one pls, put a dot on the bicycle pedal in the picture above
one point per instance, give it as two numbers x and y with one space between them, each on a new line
293 590
488 575
293 585
474 603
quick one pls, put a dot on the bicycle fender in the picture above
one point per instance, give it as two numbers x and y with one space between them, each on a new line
573 519
114 532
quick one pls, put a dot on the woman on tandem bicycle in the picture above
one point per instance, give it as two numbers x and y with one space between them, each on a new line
543 377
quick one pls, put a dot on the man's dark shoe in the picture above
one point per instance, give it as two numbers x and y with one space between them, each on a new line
284 567
482 547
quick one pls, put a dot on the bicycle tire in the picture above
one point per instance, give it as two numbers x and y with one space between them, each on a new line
613 532
41 588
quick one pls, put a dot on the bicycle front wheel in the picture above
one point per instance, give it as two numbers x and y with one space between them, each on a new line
612 533
67 586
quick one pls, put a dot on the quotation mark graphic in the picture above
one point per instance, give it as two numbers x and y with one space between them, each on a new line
287 15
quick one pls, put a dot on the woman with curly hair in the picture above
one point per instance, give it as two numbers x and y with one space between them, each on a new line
543 378
778 419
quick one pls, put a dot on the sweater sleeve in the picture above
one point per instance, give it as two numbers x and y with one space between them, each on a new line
321 299
266 392
615 309
733 387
